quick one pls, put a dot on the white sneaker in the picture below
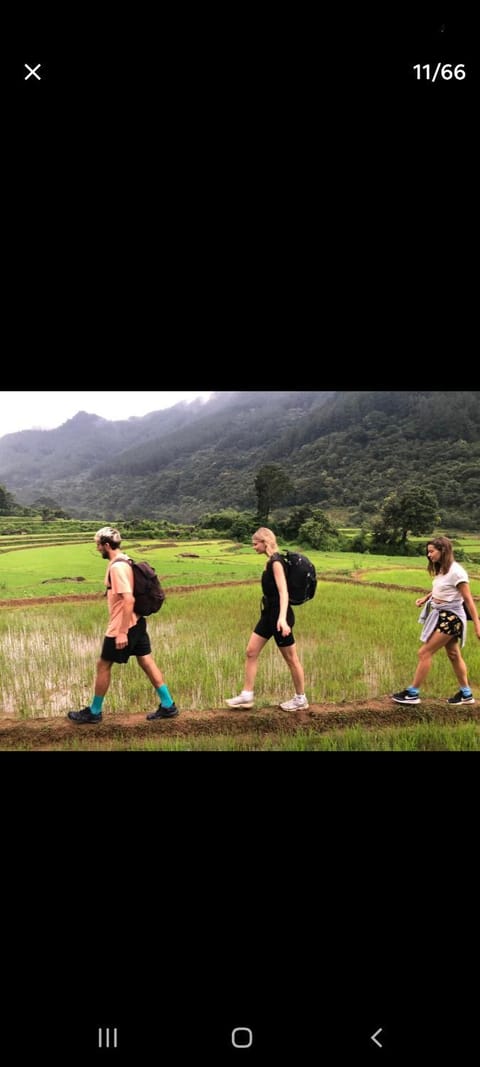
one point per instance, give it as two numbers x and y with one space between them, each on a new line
240 702
297 704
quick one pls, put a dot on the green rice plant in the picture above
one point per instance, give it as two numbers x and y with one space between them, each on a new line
413 577
355 643
45 658
55 570
462 737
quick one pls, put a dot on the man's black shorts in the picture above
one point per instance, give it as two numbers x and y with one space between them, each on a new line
138 645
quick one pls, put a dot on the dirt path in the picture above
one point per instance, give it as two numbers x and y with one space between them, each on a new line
49 733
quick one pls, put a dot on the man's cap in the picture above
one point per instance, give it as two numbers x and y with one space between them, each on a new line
110 533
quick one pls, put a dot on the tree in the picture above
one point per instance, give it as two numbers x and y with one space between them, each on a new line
290 525
7 502
271 485
319 532
413 510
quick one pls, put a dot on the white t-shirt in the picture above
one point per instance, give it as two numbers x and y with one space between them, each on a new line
444 586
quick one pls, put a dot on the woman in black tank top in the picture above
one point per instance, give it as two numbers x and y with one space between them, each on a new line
276 620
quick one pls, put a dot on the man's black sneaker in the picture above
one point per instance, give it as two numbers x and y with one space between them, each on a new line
405 697
459 698
85 715
163 713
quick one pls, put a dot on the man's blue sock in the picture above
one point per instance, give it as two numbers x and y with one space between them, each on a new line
165 698
413 692
96 705
466 691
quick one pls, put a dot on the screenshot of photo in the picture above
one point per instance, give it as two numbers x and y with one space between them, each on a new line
223 194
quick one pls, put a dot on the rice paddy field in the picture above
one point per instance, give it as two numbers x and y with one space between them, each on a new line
357 640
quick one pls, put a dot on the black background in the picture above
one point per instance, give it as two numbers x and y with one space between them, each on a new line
311 898
241 182
216 201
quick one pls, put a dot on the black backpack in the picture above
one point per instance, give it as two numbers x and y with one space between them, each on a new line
301 578
148 593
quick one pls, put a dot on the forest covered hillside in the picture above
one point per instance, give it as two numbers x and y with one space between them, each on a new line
341 450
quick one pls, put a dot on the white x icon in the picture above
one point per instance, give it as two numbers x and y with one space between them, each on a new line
32 71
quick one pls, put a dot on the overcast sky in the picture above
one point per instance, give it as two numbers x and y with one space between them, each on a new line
46 410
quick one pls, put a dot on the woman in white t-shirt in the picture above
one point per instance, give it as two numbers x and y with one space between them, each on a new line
444 621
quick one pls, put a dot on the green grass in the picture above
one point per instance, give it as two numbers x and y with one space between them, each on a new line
412 576
35 572
356 642
41 571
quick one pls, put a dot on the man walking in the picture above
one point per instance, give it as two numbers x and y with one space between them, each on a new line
126 634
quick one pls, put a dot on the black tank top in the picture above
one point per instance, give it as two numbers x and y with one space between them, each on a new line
269 585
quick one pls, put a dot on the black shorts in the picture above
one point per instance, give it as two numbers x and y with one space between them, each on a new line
267 627
138 645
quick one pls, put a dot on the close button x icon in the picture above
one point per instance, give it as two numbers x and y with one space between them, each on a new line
33 70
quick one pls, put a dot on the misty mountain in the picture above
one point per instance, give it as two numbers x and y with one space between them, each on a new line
341 449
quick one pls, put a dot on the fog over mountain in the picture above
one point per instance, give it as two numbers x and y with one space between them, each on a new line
341 450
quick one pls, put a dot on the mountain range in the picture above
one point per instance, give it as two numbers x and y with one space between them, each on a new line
342 450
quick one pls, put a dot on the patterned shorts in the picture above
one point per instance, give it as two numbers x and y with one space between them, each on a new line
448 623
